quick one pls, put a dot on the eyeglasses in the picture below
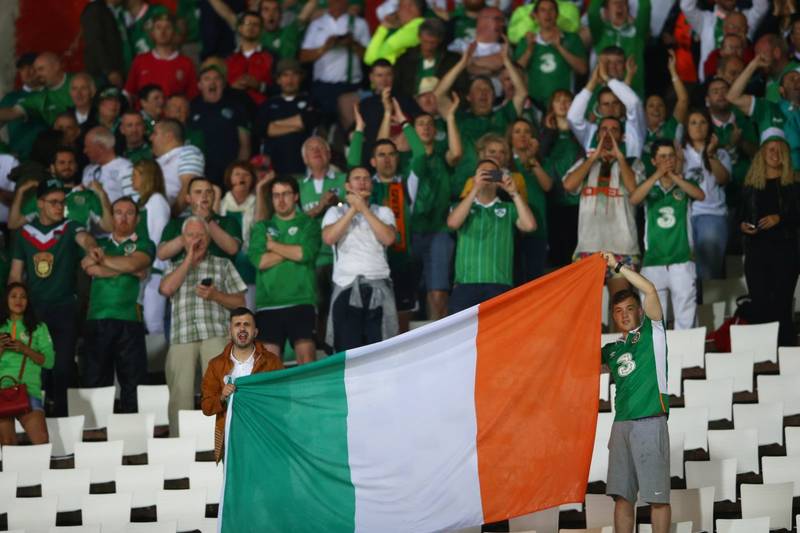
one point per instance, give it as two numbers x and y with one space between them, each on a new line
54 202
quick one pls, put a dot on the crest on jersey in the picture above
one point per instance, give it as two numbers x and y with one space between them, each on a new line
678 194
129 248
292 231
635 338
500 212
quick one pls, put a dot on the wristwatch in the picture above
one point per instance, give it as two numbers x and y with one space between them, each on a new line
618 267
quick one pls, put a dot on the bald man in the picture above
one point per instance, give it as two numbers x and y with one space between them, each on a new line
114 173
48 103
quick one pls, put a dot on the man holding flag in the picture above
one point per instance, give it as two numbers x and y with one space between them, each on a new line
638 461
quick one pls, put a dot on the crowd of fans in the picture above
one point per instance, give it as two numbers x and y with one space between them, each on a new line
341 179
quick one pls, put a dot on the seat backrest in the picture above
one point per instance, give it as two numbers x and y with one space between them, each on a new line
164 526
789 360
599 510
792 440
33 515
176 454
111 511
545 521
779 469
694 505
207 475
693 423
599 467
94 403
780 388
196 425
739 444
187 507
676 441
716 394
8 489
64 432
133 429
720 474
142 482
101 458
738 366
744 525
154 399
690 344
773 500
761 339
75 529
766 418
68 485
28 462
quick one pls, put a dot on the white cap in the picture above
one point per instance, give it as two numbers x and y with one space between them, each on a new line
386 9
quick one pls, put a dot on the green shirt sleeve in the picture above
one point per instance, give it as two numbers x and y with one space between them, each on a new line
231 227
312 241
42 343
595 20
643 20
258 243
356 149
147 246
290 40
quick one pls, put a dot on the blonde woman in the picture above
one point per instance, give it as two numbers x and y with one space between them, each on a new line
154 213
768 220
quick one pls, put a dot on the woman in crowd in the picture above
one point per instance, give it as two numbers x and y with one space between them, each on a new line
154 214
525 151
768 220
709 166
26 349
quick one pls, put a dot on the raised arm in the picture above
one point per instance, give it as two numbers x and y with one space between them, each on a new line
736 95
442 89
682 105
650 301
520 87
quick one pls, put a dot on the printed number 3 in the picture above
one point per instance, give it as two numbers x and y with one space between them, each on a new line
625 365
666 217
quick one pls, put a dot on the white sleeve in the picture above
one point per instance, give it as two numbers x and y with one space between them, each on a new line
635 125
724 158
576 116
191 161
578 163
693 15
361 31
7 164
157 217
314 37
754 16
386 216
331 216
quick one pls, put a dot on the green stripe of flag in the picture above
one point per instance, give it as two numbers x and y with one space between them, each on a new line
282 474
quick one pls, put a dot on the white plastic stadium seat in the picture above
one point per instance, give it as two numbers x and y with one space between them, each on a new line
773 500
783 389
187 507
209 525
94 403
154 399
8 489
719 474
101 458
789 360
176 455
780 469
744 525
599 510
766 418
606 529
674 373
695 506
112 512
142 482
792 440
64 432
207 475
692 422
605 381
133 429
761 339
67 485
75 529
28 462
545 521
196 425
599 467
33 515
736 365
168 526
717 395
689 343
676 455
679 527
739 444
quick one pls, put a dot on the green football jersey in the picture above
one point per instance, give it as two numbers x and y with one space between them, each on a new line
485 249
638 367
288 283
766 114
82 206
117 297
548 71
667 226
284 42
139 31
309 199
48 103
667 130
21 132
51 257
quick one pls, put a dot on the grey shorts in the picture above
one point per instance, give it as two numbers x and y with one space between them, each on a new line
638 460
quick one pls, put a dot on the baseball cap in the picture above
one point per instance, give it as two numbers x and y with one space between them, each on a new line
50 185
289 63
26 60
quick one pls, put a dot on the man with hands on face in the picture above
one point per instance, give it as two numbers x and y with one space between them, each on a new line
604 179
485 226
668 260
243 356
202 288
362 304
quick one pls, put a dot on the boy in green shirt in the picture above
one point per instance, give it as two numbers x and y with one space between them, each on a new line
668 253
283 249
115 338
485 226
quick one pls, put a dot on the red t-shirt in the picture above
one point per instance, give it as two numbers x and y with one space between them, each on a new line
258 65
175 74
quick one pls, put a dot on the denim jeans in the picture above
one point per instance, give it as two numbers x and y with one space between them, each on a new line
710 236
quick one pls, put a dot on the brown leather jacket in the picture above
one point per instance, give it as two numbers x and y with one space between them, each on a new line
213 381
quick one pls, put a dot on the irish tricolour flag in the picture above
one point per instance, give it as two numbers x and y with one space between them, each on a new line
484 415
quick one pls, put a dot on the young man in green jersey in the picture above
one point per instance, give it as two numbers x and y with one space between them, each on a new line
284 250
485 226
47 250
668 252
47 103
115 332
638 449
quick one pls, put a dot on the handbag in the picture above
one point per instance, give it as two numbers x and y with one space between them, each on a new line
14 399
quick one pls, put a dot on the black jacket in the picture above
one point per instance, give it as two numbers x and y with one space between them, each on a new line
103 52
406 67
788 210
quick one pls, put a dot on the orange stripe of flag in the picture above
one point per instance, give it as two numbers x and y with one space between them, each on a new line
536 391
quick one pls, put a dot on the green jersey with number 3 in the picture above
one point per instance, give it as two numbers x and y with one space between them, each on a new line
638 365
666 234
548 70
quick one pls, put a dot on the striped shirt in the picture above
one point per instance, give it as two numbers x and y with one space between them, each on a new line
195 319
116 177
485 251
178 162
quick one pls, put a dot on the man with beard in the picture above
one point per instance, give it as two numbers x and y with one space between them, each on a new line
243 356
132 130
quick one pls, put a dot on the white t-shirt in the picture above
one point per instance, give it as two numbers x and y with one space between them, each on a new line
177 162
714 203
358 252
332 66
7 164
158 215
116 177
